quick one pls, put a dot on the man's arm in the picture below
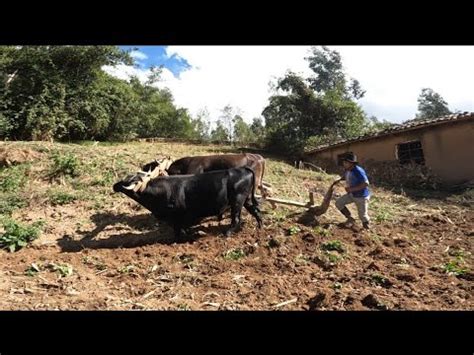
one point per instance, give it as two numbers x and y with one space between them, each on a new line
357 187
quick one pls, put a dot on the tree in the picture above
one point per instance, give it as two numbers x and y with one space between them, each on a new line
258 130
431 105
321 108
220 133
201 125
302 113
46 88
242 132
330 76
62 92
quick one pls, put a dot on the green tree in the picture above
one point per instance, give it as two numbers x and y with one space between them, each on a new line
220 133
242 132
329 74
45 87
431 105
321 108
201 125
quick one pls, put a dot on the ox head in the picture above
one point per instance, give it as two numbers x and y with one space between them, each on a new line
138 182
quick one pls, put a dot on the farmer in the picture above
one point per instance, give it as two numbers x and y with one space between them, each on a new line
357 192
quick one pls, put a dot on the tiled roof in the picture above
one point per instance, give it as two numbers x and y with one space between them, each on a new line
407 126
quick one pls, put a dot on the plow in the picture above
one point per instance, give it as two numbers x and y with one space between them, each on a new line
317 210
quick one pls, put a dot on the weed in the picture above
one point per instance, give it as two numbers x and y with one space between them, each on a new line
63 269
13 178
322 231
455 267
234 254
61 198
17 235
32 270
334 245
11 202
64 165
293 230
127 269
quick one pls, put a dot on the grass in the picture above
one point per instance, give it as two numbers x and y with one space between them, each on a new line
10 202
333 245
17 235
293 230
183 307
127 269
302 259
61 198
64 270
32 270
333 258
187 260
95 262
382 216
234 254
379 280
64 165
14 178
322 231
455 267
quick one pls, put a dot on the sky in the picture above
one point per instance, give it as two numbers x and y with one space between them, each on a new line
210 77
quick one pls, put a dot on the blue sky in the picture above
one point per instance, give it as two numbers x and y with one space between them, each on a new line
211 77
146 56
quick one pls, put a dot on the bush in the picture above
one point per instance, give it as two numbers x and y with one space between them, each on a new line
65 165
13 178
9 203
335 245
17 236
61 198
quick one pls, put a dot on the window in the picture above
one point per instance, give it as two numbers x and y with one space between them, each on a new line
410 152
340 157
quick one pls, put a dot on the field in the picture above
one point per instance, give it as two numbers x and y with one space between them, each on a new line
80 246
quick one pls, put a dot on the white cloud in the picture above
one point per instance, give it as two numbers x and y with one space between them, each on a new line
138 55
393 76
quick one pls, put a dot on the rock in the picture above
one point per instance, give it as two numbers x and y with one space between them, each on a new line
402 243
377 251
373 266
371 301
469 276
360 242
317 301
406 276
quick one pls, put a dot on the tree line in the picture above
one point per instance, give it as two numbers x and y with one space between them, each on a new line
62 93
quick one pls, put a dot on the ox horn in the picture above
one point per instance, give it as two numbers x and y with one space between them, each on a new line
131 187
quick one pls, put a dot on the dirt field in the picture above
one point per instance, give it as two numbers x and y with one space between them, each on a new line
99 250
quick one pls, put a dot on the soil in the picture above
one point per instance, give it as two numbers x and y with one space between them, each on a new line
124 259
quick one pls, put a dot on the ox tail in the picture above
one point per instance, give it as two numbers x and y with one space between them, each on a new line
254 200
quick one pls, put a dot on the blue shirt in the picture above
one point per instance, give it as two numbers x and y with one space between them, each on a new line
355 177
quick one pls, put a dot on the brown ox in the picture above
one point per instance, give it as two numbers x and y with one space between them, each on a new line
205 163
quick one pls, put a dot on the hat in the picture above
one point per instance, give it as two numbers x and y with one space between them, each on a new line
351 158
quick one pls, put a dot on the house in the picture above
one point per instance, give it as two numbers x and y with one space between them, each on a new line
443 146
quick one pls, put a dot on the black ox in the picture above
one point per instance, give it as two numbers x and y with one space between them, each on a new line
184 200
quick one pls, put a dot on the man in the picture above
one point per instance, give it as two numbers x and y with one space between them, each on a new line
357 191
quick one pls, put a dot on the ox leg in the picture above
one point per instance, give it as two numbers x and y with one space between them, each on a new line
254 211
179 232
235 217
